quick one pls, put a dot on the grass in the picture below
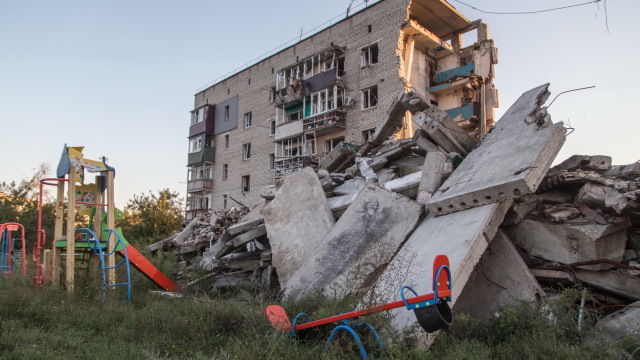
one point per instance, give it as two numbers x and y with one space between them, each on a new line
50 324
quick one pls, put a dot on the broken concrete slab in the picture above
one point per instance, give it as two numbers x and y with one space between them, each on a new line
625 172
611 281
422 140
523 152
385 175
297 220
269 192
501 277
350 187
249 236
366 171
451 129
561 213
553 275
408 164
391 121
622 323
598 163
338 159
462 236
339 204
245 225
572 241
520 209
362 240
592 195
432 172
438 134
406 185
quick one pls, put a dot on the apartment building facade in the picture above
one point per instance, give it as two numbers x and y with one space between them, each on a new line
289 110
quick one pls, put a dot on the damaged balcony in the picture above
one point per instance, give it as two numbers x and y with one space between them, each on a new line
289 165
199 185
325 123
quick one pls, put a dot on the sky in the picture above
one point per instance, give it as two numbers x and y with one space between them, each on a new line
118 77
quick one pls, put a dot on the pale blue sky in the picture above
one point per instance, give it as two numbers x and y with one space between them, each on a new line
119 76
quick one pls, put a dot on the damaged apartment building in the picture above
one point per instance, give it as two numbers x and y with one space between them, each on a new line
289 110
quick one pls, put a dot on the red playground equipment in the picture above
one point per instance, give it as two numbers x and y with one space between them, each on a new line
12 252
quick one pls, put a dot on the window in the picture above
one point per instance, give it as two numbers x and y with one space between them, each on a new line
247 120
246 151
369 55
224 201
332 143
198 115
203 173
272 127
226 141
246 183
195 145
225 171
370 97
272 93
226 113
368 135
272 161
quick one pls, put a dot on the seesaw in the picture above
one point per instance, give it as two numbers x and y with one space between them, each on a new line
431 310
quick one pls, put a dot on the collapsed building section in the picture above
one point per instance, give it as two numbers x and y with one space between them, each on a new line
291 109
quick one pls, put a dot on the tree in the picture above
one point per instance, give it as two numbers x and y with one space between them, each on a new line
150 218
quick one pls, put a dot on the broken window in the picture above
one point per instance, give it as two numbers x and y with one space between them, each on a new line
226 141
246 183
225 171
195 145
226 113
367 135
272 127
246 151
198 115
369 55
370 97
332 143
247 120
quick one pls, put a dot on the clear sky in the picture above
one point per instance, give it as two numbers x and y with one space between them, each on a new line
119 76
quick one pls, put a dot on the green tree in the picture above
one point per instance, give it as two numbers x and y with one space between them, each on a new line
153 217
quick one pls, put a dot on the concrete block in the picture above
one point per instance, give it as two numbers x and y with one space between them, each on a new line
572 241
366 171
245 225
627 286
598 163
297 220
249 236
561 213
362 241
432 172
391 122
625 172
438 134
622 323
339 204
350 186
406 185
422 140
408 164
520 209
511 161
269 192
592 195
501 278
451 129
339 158
385 175
462 236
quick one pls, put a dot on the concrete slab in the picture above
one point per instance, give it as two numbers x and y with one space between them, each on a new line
350 186
297 220
501 278
363 240
339 158
511 161
625 322
572 241
245 225
408 164
406 185
462 236
339 204
599 163
422 140
432 172
391 122
611 281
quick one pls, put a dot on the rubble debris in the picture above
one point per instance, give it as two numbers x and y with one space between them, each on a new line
338 159
572 241
297 221
523 151
363 240
502 276
624 322
598 163
406 185
431 179
611 281
421 139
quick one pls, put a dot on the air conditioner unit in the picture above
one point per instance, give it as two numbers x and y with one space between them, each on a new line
348 101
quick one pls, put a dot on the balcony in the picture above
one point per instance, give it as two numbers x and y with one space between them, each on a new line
289 165
199 185
289 129
202 121
325 123
205 155
290 94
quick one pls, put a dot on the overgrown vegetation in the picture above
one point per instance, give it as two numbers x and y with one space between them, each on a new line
50 324
150 218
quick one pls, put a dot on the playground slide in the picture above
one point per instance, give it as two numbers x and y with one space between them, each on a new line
141 263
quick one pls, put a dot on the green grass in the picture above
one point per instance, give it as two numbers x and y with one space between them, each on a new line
50 324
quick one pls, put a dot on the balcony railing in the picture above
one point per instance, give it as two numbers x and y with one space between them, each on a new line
330 119
291 164
200 185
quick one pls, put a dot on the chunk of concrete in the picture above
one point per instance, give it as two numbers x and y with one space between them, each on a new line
339 204
462 236
408 164
269 192
561 213
385 175
511 161
362 241
249 236
622 323
350 187
432 172
406 185
391 122
338 159
572 241
598 163
520 209
297 221
438 134
422 140
592 195
611 281
245 225
366 171
625 172
501 278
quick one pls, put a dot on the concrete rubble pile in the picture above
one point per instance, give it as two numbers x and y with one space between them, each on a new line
372 217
